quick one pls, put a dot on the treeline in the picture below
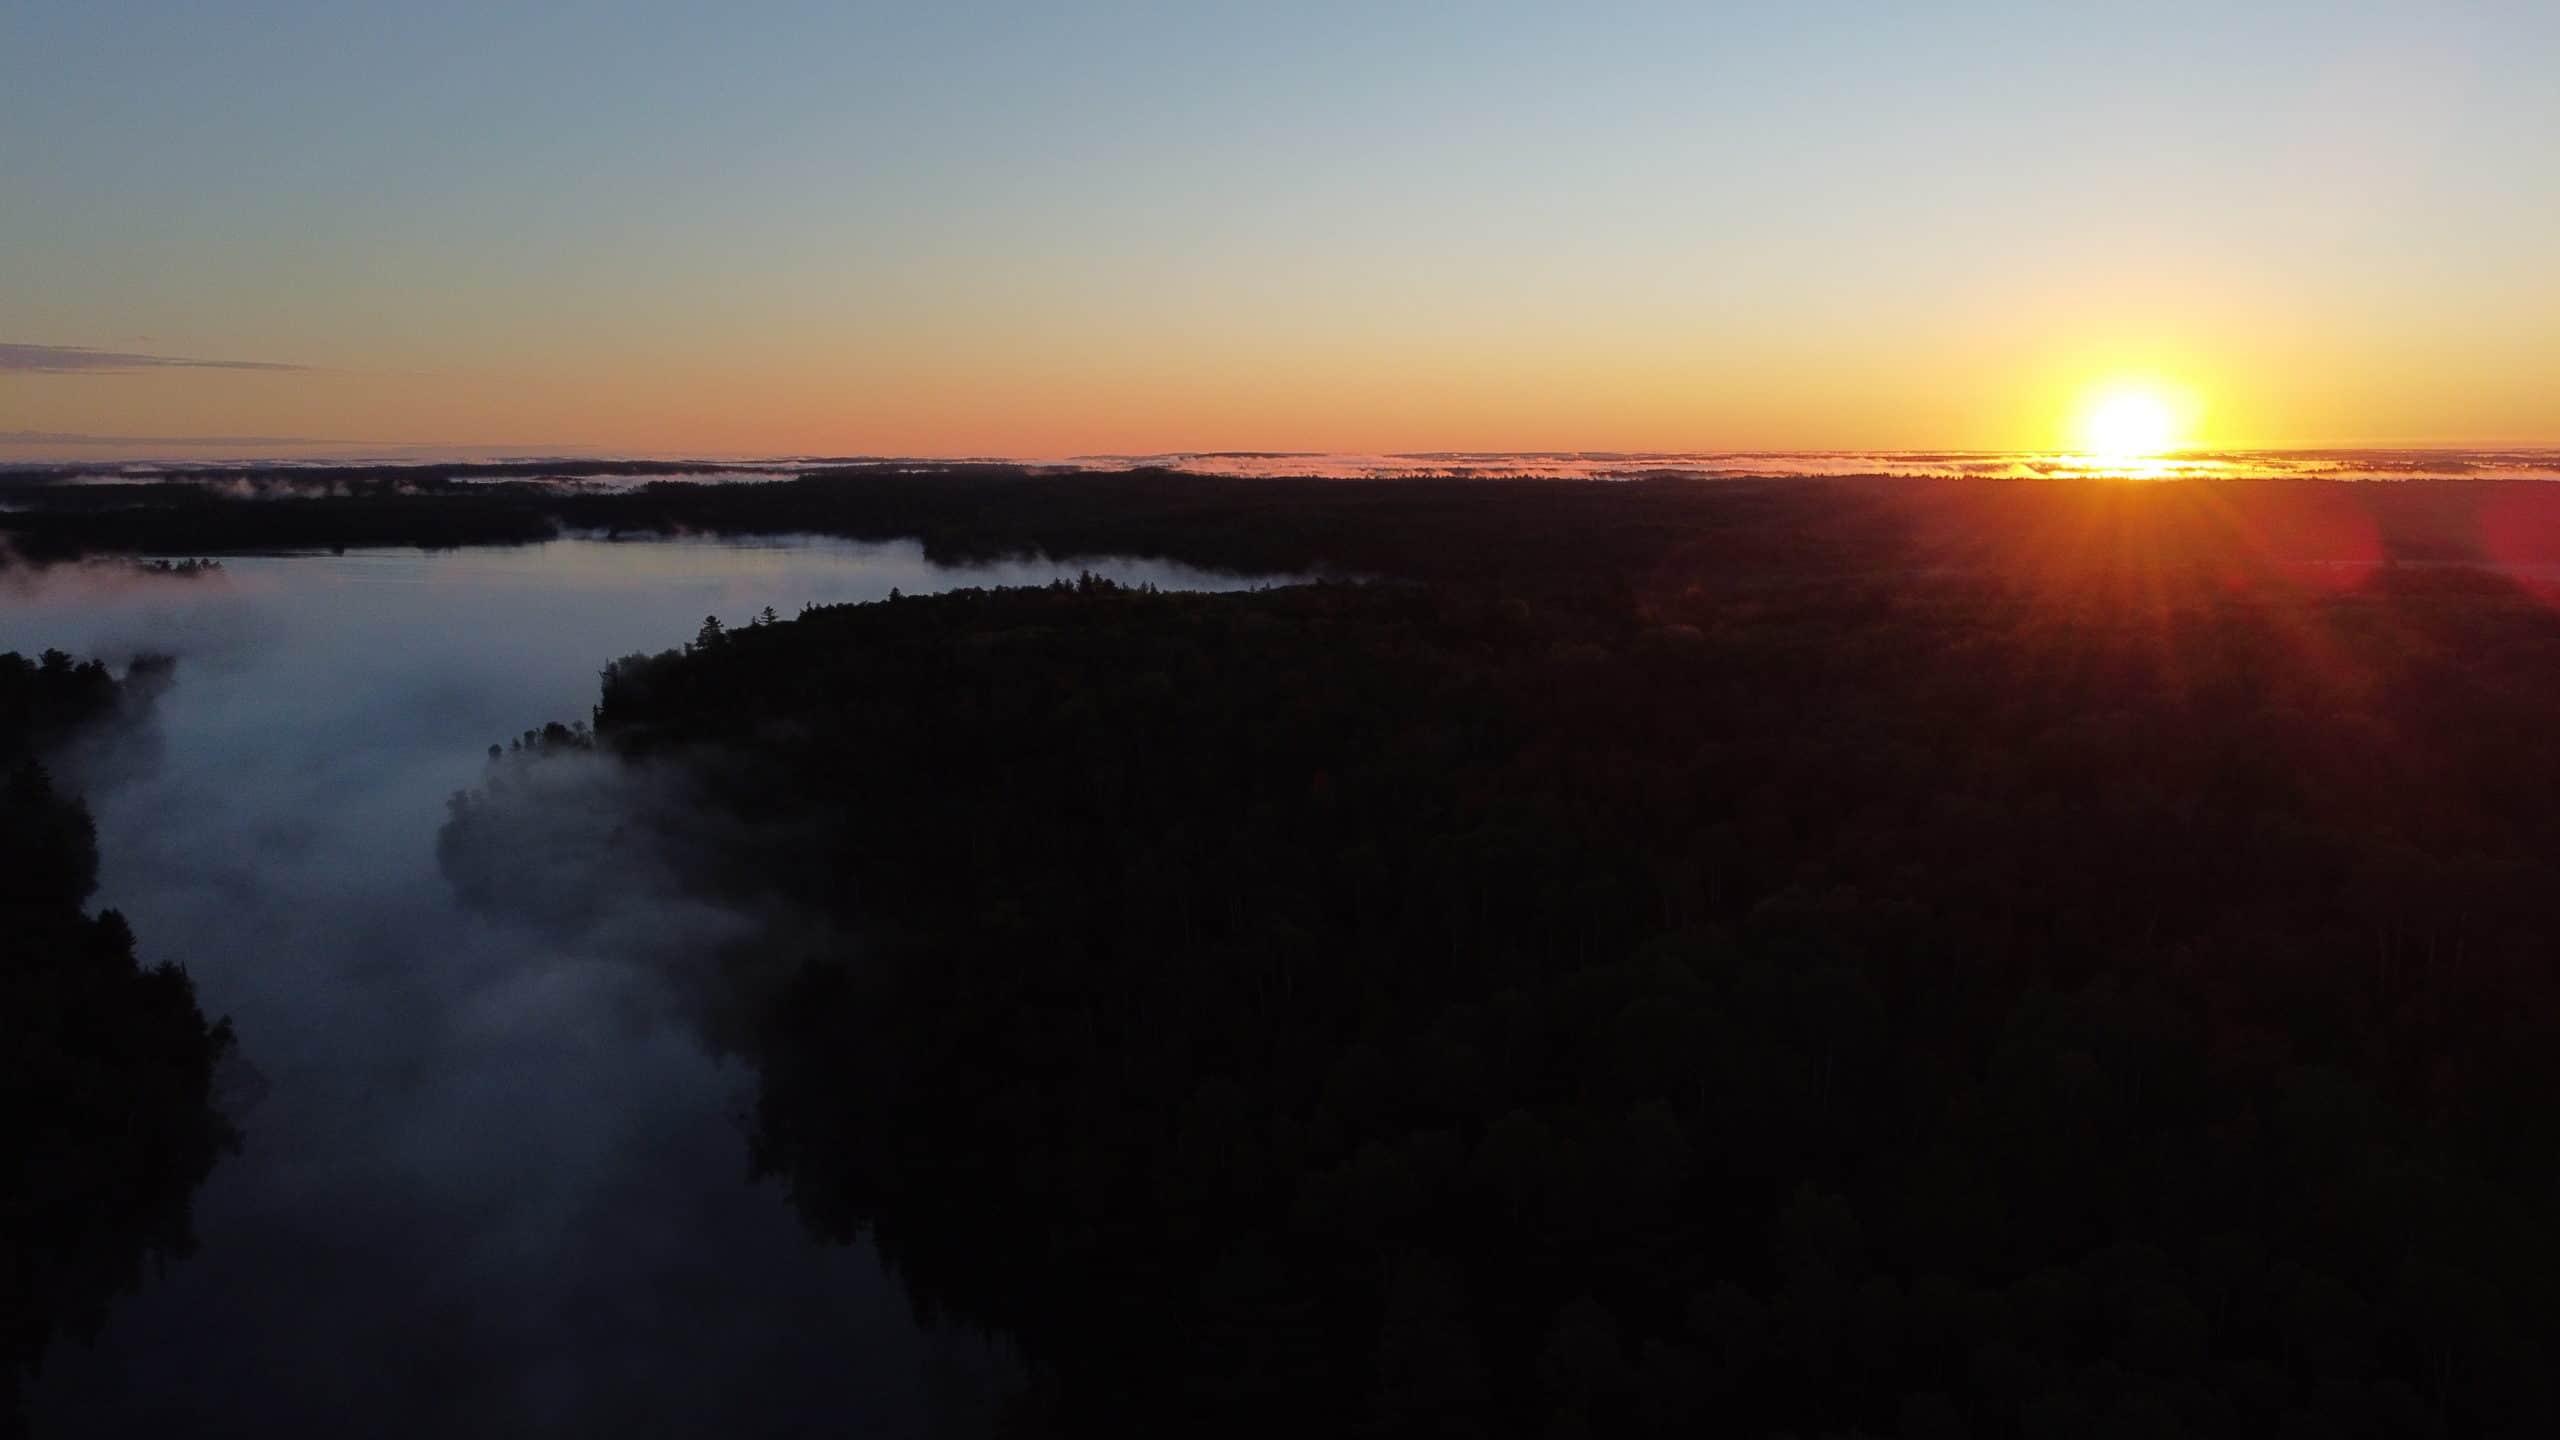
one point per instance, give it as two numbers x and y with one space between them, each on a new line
2102 990
106 1065
1533 534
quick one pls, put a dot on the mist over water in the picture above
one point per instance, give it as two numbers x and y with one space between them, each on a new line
496 1183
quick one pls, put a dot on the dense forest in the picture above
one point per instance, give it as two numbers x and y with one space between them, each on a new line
2030 961
106 1065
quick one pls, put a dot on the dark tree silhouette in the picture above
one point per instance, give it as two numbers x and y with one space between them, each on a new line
1537 535
2091 975
106 1065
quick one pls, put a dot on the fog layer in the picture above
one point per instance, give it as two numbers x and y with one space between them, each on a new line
495 1184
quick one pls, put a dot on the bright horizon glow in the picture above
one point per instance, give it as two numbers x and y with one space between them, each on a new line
852 227
2131 420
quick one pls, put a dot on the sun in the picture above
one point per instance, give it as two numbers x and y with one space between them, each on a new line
2134 420
2131 423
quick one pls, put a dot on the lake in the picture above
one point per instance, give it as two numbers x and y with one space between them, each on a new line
495 1182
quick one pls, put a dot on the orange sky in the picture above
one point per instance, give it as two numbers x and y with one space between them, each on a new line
849 230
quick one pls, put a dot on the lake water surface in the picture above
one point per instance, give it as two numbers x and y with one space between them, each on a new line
496 1184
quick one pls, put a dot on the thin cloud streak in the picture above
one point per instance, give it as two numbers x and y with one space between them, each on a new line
70 437
82 360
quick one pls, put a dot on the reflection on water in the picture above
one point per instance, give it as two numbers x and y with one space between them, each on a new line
496 1184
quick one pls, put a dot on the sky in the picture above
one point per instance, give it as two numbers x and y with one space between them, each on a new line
1044 230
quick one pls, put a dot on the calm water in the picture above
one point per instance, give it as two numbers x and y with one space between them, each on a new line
496 1184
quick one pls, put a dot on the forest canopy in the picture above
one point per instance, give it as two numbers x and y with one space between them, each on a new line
2041 965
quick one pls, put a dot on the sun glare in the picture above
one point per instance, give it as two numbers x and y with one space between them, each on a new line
2134 421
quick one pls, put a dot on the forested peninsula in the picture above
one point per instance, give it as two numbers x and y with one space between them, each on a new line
2020 961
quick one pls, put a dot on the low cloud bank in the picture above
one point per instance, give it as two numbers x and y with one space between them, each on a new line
82 360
